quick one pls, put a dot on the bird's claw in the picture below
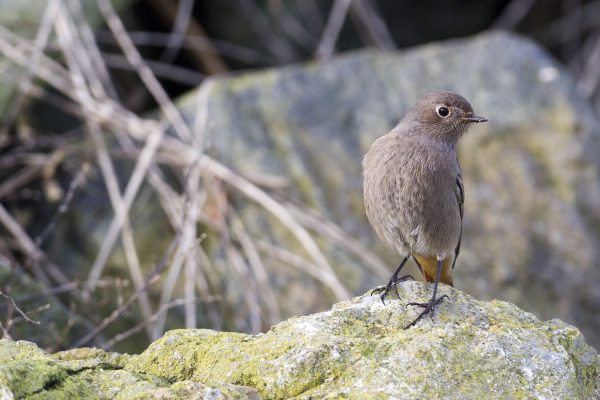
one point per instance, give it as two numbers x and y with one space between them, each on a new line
393 282
429 308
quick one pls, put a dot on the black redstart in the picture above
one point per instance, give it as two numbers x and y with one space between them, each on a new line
413 189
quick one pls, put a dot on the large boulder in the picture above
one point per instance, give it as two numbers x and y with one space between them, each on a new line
28 372
531 173
358 350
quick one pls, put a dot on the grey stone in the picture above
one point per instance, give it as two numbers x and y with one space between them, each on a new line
531 174
358 349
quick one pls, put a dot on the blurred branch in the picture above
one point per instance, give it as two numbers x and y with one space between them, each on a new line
287 257
20 178
194 42
585 17
164 70
27 245
181 20
64 205
85 81
590 74
112 185
258 269
242 272
513 14
371 25
189 241
261 26
181 25
336 19
290 26
17 309
145 323
151 280
41 40
333 232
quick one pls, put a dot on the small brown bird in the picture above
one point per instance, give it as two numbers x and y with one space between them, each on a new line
413 189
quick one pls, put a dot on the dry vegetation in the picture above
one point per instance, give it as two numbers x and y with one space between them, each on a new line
66 66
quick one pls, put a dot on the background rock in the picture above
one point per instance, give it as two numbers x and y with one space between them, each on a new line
531 173
28 372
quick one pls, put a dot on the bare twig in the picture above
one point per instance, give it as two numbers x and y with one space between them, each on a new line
261 26
584 17
371 24
148 322
64 205
589 78
202 284
337 16
146 75
28 246
334 233
289 25
137 177
19 178
151 280
180 27
189 239
40 43
513 14
302 264
112 185
17 309
241 274
231 50
164 70
183 22
258 269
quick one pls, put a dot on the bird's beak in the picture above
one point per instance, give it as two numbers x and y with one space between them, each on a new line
474 118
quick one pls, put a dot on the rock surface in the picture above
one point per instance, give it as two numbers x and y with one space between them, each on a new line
28 372
358 350
531 174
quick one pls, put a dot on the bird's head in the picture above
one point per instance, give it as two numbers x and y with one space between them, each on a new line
445 115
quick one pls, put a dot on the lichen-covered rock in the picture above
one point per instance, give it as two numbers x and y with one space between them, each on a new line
531 174
357 350
28 372
360 350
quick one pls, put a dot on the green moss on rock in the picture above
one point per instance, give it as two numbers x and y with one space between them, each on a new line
360 349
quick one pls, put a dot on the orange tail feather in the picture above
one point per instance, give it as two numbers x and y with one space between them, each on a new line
428 267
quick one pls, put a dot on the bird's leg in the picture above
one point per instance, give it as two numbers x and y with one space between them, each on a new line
394 280
429 307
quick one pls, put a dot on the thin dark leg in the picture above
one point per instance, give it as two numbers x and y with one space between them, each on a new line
429 307
394 280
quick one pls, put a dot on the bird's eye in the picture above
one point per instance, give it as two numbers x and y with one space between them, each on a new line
442 111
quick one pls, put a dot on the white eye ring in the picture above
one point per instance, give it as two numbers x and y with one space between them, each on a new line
442 111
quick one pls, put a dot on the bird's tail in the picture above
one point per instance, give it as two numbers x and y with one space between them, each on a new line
428 267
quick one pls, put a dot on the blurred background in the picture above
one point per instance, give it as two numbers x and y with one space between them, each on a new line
168 164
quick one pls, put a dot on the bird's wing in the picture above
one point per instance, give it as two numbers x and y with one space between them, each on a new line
460 197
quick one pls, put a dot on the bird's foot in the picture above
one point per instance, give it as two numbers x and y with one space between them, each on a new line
384 290
429 308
